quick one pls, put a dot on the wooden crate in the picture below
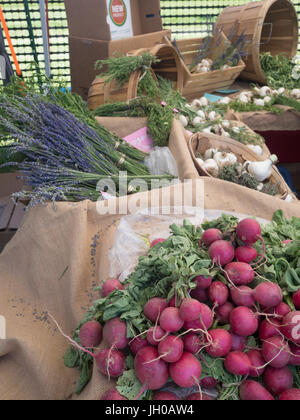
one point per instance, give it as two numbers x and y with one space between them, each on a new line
196 84
270 25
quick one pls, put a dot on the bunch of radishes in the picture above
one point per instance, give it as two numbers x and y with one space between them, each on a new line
217 317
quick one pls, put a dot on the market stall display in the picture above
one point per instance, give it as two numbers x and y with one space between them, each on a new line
169 235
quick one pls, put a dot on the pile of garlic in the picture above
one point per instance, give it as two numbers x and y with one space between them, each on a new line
214 160
206 65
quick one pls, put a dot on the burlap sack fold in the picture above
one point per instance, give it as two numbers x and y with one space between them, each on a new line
52 265
288 120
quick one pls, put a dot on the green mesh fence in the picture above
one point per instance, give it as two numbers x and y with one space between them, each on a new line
186 18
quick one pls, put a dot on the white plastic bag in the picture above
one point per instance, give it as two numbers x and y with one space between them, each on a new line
161 161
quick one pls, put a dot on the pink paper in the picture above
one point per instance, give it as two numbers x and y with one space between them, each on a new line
141 140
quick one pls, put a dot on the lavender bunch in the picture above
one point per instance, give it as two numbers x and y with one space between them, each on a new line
233 53
61 162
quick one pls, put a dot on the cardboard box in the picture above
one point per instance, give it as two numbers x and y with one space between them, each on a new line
85 52
89 18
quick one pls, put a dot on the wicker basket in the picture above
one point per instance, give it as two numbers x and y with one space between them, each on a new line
271 26
195 84
201 142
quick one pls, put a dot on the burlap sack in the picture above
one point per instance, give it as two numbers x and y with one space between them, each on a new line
289 120
52 265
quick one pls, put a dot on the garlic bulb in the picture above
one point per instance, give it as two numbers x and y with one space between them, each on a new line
259 102
225 101
281 91
236 130
211 167
275 93
212 116
196 103
225 67
295 93
204 101
225 159
184 120
200 161
188 105
207 130
203 69
226 124
244 99
267 99
197 121
210 153
206 63
262 170
260 187
265 91
256 90
289 198
255 148
225 134
201 114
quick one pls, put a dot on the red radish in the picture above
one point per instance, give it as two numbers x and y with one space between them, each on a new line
112 395
296 299
246 254
205 321
248 231
243 321
190 309
292 394
223 312
154 307
170 320
295 357
157 241
172 302
240 273
211 235
268 294
278 380
192 343
221 252
242 296
218 293
282 309
110 362
269 328
276 352
150 370
170 349
203 282
115 333
221 343
291 326
287 241
238 343
254 391
187 371
90 334
208 382
200 295
237 363
110 286
257 361
137 344
197 396
165 396
155 334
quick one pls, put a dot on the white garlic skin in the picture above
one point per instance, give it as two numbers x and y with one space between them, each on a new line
200 161
226 124
260 187
211 167
209 154
213 116
204 101
244 99
262 170
184 120
197 121
259 102
289 198
196 103
265 91
295 93
207 130
267 99
201 114
281 91
256 149
225 101
225 159
236 130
